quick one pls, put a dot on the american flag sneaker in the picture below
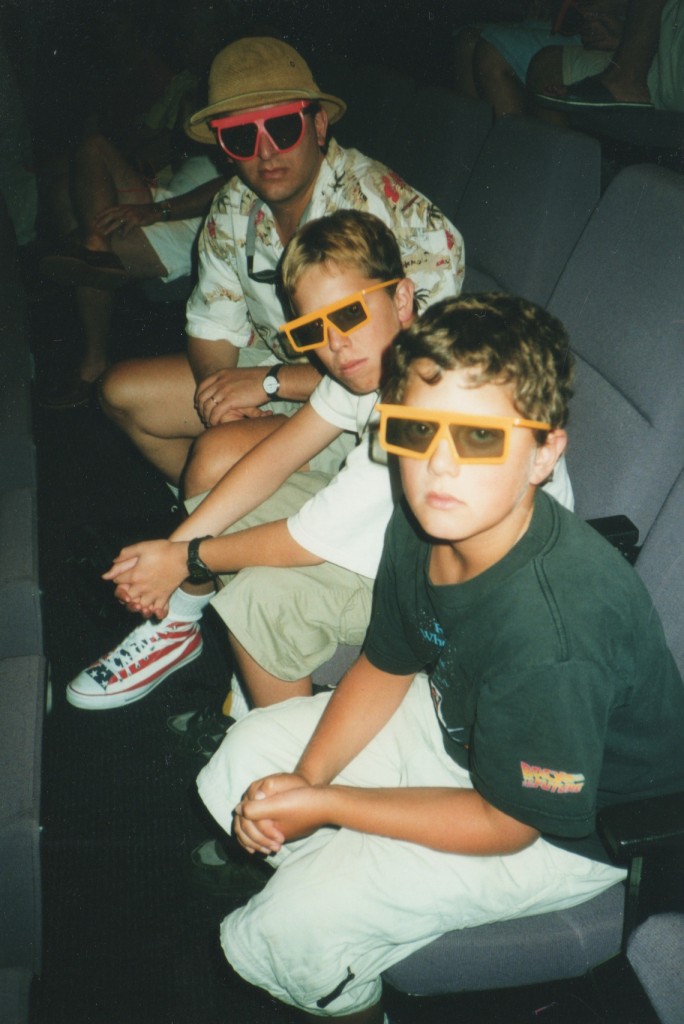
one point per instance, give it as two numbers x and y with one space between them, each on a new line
132 670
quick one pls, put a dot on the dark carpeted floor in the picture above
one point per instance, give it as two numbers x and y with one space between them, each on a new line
129 937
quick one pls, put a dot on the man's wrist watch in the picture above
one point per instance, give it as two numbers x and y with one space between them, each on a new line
271 384
198 572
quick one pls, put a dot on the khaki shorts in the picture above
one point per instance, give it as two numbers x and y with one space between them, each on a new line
292 620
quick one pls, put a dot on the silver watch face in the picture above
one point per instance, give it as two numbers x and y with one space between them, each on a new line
271 384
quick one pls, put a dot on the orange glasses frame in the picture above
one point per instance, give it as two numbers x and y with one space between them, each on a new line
323 314
444 420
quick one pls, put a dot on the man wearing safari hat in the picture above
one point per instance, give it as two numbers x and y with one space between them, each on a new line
236 381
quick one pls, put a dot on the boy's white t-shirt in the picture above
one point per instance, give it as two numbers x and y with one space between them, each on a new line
345 523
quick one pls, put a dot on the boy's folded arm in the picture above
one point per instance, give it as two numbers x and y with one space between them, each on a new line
363 702
451 820
259 473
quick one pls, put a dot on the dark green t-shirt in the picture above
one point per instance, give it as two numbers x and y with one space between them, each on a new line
549 672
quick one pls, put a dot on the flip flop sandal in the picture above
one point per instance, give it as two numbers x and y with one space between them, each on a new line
589 94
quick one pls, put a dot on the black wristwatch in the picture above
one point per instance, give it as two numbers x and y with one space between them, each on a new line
198 572
271 383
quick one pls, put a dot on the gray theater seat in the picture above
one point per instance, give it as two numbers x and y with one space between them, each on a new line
656 952
22 667
22 705
21 631
375 99
620 298
530 194
436 143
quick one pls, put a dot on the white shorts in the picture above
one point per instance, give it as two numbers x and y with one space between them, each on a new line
344 906
174 240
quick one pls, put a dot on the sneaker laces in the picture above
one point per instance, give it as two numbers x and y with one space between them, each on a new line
135 649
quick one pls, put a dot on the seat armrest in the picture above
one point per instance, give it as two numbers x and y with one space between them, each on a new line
621 532
636 829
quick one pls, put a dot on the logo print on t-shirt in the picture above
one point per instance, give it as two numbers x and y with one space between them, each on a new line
434 634
550 779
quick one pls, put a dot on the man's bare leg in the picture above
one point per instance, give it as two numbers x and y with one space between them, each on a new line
545 75
496 81
95 308
152 401
466 41
627 75
96 305
100 178
263 688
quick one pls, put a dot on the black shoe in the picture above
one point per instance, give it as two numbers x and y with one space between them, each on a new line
199 732
72 394
74 265
214 871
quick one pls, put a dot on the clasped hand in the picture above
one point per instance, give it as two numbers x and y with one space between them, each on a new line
146 575
279 808
125 217
231 394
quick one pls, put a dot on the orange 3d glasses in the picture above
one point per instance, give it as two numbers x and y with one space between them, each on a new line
474 439
311 331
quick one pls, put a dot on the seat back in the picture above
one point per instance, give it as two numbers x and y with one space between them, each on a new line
620 298
661 567
656 952
529 196
375 98
436 143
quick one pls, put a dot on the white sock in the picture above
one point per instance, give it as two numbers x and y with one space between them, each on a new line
188 607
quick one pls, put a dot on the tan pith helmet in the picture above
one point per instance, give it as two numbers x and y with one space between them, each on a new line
254 72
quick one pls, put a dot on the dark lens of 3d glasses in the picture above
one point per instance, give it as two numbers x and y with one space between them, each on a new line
309 335
471 442
347 317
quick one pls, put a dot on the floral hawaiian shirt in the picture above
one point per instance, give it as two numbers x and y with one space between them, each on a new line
229 305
